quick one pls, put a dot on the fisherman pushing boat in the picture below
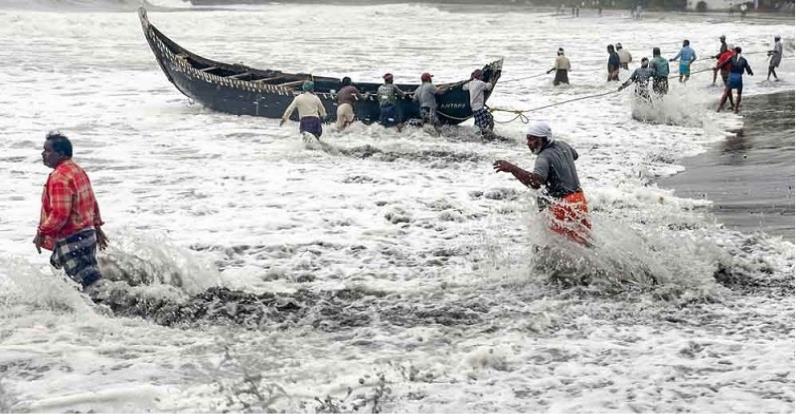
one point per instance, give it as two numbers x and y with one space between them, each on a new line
309 109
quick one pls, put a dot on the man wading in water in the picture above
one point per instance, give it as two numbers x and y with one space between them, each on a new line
70 221
738 66
561 67
555 169
477 99
309 109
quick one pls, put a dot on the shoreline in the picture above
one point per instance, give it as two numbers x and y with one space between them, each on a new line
749 176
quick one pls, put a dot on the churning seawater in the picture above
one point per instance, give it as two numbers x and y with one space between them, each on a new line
391 272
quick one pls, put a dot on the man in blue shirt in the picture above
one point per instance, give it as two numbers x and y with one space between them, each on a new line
687 56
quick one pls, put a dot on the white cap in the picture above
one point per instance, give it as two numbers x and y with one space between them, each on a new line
540 129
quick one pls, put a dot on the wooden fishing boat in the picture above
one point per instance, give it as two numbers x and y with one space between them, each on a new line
241 90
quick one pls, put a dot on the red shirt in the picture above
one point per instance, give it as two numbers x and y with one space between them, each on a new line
68 204
724 60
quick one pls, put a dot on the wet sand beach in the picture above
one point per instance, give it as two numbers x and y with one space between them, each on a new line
750 175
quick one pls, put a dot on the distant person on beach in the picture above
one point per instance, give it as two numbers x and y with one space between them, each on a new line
625 57
660 67
561 67
687 57
477 99
425 95
70 223
346 97
613 64
309 109
724 67
723 48
641 77
738 66
775 55
743 10
388 97
638 11
555 170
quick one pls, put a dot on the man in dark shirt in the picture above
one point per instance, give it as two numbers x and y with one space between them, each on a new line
346 98
555 169
613 63
738 66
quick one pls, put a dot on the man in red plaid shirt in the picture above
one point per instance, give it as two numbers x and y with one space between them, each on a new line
70 218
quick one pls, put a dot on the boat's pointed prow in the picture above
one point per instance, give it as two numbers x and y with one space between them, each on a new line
142 14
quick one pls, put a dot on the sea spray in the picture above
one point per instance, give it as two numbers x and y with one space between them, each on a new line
149 259
620 259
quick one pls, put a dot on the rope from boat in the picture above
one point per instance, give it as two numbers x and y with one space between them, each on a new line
524 118
520 114
453 117
526 77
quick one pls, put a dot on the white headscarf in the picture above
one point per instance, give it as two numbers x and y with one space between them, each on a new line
540 129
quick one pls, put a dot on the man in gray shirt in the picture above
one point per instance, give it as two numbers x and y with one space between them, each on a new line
775 54
555 169
426 96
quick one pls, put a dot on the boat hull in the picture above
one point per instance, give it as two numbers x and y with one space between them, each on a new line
241 90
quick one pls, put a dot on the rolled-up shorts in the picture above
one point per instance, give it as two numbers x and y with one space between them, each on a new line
311 125
660 85
483 119
735 81
561 77
77 255
388 117
570 218
344 114
428 115
684 68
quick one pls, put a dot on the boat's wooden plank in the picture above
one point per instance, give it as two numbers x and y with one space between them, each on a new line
235 76
209 68
269 79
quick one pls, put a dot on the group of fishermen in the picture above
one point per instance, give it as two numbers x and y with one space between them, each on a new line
311 111
730 64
